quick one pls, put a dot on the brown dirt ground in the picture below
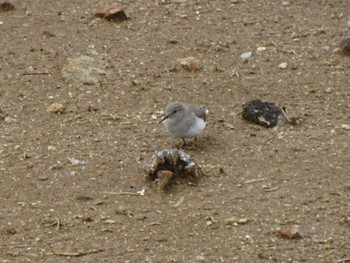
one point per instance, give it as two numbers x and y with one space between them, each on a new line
53 211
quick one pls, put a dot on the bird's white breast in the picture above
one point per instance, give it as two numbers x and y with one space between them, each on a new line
196 129
181 131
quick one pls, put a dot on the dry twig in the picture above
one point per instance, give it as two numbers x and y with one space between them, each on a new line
58 222
77 254
35 73
271 189
121 193
343 260
255 181
178 203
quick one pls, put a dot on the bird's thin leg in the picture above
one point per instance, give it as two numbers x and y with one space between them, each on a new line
193 146
183 142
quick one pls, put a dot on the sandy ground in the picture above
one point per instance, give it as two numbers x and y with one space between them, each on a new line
256 181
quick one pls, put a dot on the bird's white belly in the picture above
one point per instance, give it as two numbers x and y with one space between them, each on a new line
184 132
196 129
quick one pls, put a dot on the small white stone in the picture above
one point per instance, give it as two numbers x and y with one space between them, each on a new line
52 148
10 119
328 90
261 49
345 127
246 55
200 258
283 65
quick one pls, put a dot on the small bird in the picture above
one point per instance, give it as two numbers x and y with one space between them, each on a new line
185 120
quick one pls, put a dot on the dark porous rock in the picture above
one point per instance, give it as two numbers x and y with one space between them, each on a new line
263 113
345 46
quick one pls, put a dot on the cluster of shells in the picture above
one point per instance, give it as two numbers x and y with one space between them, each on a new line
168 165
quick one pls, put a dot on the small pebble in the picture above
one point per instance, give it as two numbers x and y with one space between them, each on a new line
246 55
42 178
52 148
56 108
260 49
10 120
190 64
112 12
328 90
283 65
200 258
345 127
231 221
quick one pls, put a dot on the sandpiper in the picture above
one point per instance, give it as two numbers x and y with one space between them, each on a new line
185 120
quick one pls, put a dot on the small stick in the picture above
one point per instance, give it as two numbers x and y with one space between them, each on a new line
58 224
154 224
35 73
255 181
292 121
68 254
78 254
284 114
178 203
16 246
121 193
272 189
343 260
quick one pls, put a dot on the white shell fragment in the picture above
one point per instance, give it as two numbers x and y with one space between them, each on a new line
246 55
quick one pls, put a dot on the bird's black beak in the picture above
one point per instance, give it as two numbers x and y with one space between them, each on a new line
164 118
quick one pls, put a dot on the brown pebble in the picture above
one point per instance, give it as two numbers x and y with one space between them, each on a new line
190 64
164 177
55 108
290 232
46 34
112 12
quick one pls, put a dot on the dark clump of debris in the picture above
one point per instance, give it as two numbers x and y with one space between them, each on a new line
5 7
345 46
263 113
168 165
